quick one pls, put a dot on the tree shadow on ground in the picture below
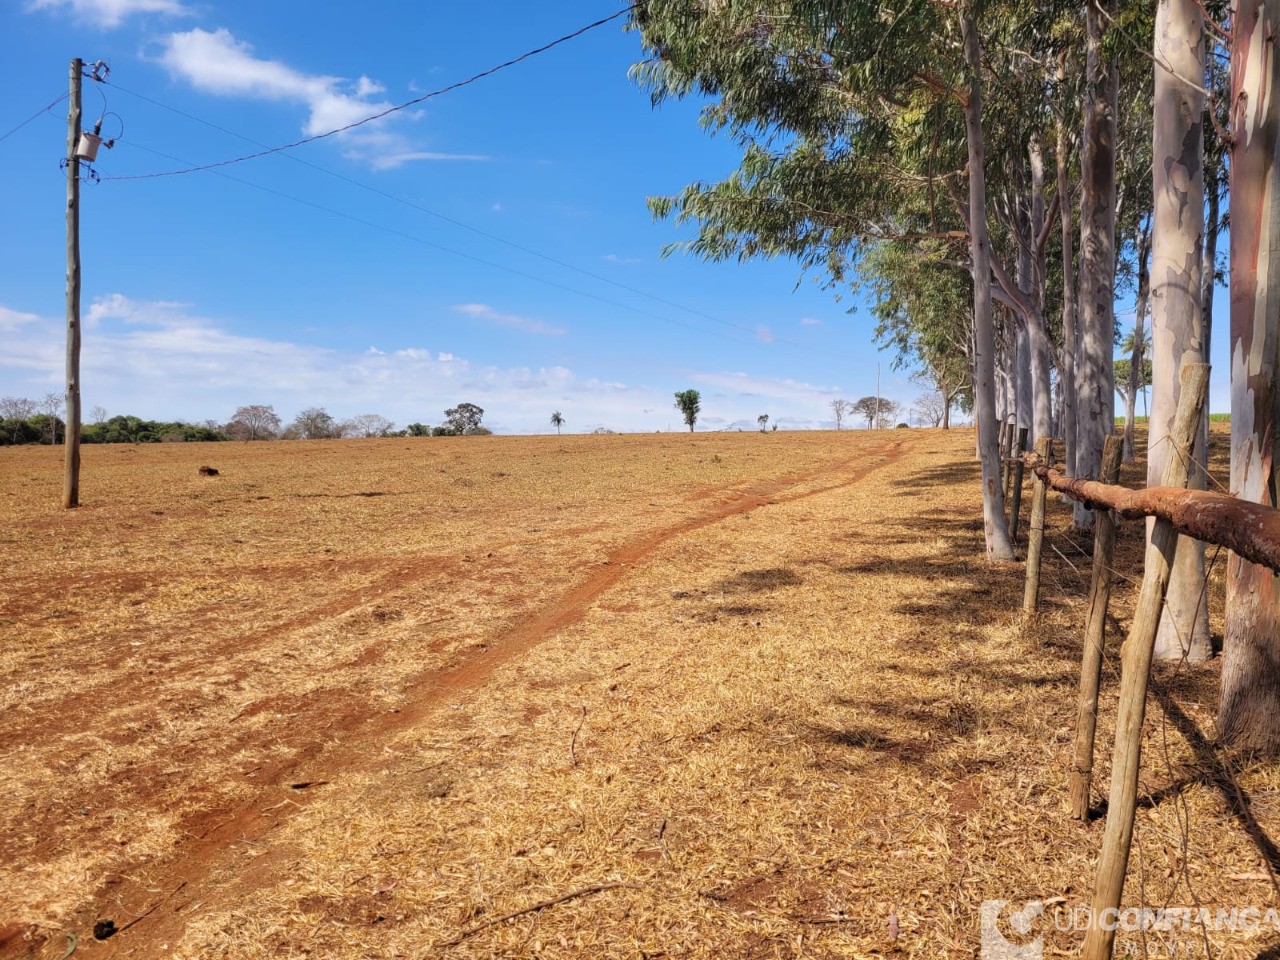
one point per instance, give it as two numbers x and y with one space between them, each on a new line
943 475
844 748
759 581
747 583
1214 769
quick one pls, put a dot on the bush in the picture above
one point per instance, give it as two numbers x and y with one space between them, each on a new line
903 426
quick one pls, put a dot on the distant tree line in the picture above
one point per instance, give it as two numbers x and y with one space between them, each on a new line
27 421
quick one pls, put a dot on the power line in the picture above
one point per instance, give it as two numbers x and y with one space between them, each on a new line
390 110
42 110
447 219
441 247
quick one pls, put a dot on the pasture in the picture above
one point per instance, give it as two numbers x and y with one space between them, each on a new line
721 695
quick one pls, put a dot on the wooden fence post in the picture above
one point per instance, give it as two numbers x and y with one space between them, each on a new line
1104 541
1015 496
1035 539
1135 672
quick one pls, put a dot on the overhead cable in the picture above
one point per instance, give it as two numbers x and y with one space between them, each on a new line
387 112
450 220
42 110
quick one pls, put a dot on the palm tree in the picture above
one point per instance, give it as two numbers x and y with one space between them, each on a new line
557 421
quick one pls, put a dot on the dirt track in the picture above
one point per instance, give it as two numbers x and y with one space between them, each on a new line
354 726
756 696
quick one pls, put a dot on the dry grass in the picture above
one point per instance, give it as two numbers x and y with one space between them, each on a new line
770 706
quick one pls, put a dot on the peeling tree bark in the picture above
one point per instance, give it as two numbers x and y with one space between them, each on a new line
1095 381
1249 711
1177 327
995 527
1037 329
1067 364
1024 383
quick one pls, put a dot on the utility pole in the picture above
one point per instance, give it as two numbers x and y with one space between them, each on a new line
71 477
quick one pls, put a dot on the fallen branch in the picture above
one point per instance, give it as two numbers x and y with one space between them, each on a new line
1250 530
541 905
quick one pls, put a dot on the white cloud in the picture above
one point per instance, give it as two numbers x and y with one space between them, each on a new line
216 62
157 313
392 160
111 13
482 311
159 360
12 320
745 385
810 322
621 261
763 333
219 63
163 360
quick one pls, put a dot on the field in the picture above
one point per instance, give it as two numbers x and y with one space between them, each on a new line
721 695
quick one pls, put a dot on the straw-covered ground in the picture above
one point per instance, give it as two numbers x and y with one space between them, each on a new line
624 696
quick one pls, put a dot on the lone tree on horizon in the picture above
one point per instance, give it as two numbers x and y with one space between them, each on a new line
689 403
464 418
557 421
258 421
839 409
870 409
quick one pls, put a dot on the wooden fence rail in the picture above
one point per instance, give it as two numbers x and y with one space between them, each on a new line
1251 530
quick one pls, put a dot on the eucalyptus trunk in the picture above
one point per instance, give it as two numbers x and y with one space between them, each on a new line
1041 364
1249 711
1067 359
1177 328
1095 382
1137 357
1024 382
1208 272
1037 330
994 525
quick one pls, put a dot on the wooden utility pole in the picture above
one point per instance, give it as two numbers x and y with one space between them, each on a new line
1135 675
71 477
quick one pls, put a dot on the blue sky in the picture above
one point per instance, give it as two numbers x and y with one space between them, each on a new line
293 286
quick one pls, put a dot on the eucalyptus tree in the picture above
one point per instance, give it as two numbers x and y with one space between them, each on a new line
1064 117
859 122
1177 327
922 307
1249 711
1136 345
1095 386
